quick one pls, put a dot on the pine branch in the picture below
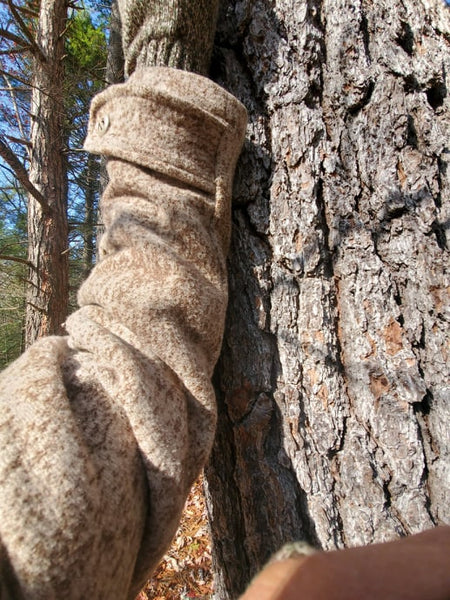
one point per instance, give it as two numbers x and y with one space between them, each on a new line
11 159
15 51
12 37
26 32
15 77
18 259
34 14
21 141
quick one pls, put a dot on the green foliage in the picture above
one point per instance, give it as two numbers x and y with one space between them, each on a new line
12 311
85 51
13 245
85 61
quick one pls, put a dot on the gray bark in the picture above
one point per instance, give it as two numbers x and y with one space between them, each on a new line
333 385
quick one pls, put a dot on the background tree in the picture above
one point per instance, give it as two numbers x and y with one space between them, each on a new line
84 61
333 389
115 64
115 70
48 276
37 29
13 267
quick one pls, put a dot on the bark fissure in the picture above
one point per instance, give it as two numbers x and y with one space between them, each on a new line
337 330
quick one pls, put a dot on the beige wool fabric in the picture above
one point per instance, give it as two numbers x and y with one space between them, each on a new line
102 432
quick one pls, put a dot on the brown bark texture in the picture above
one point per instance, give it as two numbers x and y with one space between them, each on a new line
47 296
334 400
90 213
115 73
115 62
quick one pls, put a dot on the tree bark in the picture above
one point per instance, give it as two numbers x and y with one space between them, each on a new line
90 213
47 296
115 63
115 73
334 402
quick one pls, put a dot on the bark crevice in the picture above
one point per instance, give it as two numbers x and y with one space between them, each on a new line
337 328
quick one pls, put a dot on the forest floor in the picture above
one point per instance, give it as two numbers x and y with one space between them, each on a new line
185 571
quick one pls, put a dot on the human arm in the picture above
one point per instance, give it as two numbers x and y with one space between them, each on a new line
103 432
412 568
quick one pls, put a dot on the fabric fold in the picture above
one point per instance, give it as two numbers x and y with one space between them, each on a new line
104 431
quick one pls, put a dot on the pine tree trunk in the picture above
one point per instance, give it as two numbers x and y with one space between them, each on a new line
47 297
90 213
115 73
115 62
333 386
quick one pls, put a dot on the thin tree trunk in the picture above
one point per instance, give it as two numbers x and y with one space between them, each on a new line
115 63
47 297
115 73
90 212
333 386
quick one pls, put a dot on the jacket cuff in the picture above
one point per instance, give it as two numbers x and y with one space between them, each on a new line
170 121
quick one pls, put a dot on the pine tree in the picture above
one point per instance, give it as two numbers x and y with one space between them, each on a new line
332 387
48 288
68 177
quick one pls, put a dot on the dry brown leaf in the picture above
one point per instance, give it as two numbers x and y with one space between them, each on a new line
185 571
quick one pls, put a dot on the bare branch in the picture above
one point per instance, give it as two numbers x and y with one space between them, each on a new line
11 159
28 11
22 141
16 89
14 38
18 259
24 81
38 308
15 51
18 116
26 32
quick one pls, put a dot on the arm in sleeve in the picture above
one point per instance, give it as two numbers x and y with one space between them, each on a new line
173 33
103 432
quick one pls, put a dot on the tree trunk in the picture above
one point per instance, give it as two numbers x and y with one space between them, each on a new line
115 63
115 73
90 213
47 297
334 403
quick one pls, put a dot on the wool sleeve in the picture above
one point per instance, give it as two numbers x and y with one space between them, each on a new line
173 33
102 432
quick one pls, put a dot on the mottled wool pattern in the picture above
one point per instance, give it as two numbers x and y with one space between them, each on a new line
173 33
103 432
